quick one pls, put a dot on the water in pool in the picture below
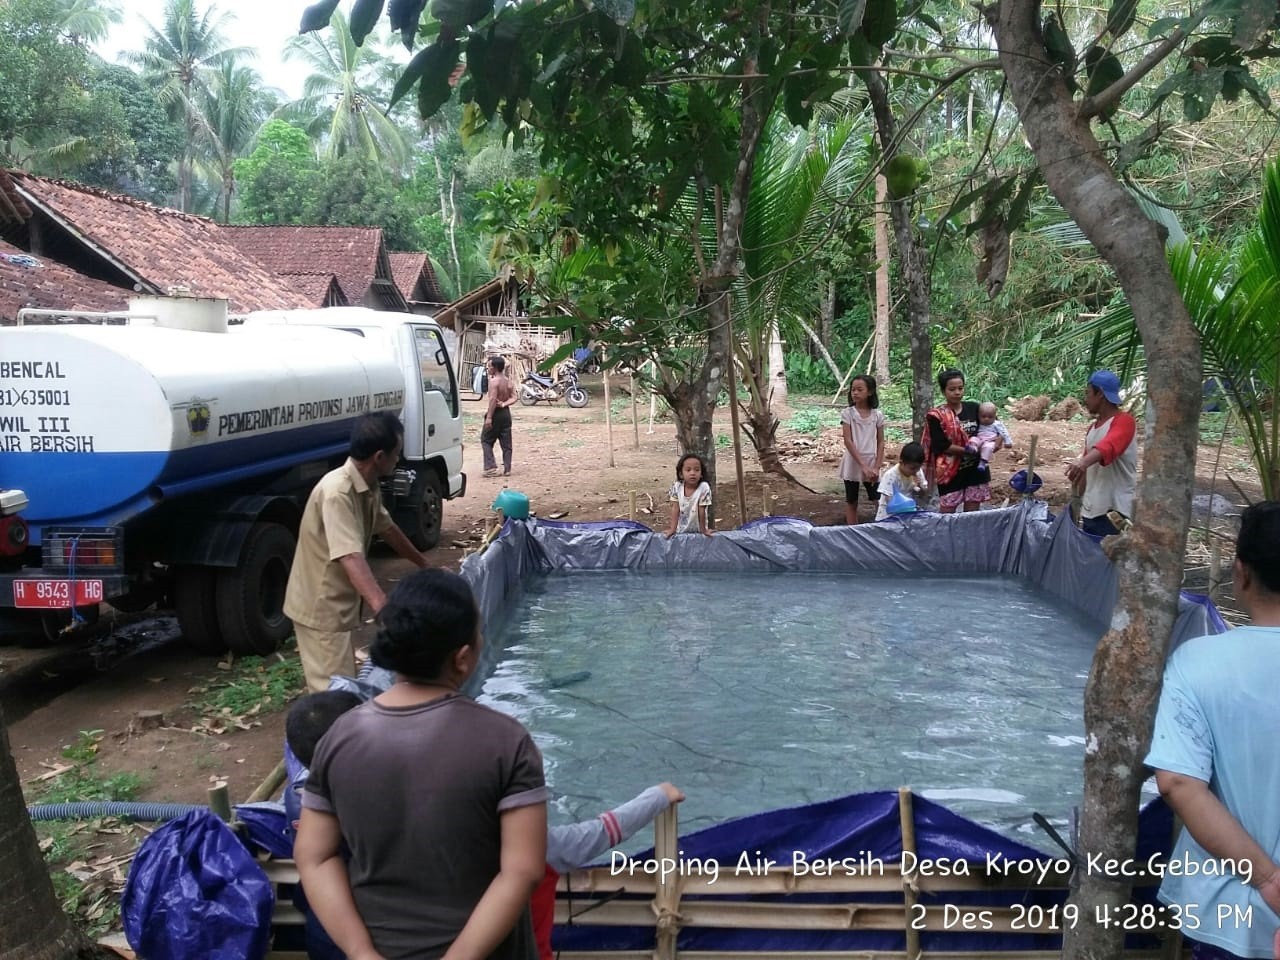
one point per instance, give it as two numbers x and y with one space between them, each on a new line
753 692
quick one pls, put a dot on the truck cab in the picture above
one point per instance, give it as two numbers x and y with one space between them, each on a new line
431 466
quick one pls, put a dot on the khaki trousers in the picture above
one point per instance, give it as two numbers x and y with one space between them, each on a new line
324 654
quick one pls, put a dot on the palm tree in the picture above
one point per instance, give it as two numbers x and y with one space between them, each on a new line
1233 297
230 111
336 104
86 22
801 183
179 55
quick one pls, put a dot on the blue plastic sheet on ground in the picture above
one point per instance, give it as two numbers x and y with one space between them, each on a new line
195 893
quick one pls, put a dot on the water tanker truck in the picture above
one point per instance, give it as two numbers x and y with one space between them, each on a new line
165 455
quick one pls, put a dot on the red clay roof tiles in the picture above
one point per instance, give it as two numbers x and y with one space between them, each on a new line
408 269
27 281
164 250
351 254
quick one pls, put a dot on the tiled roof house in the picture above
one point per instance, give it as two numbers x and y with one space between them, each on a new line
138 246
27 281
416 279
356 256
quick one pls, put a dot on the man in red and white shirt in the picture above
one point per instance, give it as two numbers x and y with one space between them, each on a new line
1107 473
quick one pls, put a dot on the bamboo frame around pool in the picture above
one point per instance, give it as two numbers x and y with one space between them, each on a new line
590 898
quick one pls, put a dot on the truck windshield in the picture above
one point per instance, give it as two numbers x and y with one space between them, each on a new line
433 362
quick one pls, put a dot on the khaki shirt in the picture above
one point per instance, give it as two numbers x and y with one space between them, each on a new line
341 517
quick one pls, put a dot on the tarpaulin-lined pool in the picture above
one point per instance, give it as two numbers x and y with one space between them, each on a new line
754 691
784 663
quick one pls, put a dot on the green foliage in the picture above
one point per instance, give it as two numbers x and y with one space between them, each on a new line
83 784
48 93
85 749
127 116
352 190
254 684
813 420
277 180
806 374
336 107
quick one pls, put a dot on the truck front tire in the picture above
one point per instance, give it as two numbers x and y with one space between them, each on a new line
194 601
422 519
250 596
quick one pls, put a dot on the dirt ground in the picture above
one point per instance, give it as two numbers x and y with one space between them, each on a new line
562 462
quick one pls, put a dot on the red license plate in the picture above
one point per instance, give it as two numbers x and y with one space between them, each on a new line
56 594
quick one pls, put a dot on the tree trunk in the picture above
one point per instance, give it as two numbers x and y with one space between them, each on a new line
915 273
882 280
777 366
693 399
827 327
1124 683
453 229
32 924
228 187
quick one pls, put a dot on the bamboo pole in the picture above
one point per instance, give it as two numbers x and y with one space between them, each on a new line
764 500
853 366
220 802
653 397
1027 492
733 415
666 901
1215 568
269 786
909 882
608 413
632 499
635 416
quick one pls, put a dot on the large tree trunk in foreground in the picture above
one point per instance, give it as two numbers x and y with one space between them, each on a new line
1124 683
911 259
32 924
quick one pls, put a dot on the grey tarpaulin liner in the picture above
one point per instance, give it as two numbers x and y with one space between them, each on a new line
1024 541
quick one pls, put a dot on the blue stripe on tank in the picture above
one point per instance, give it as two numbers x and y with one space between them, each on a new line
104 488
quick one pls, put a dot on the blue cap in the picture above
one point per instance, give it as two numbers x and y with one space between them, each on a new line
1107 383
900 503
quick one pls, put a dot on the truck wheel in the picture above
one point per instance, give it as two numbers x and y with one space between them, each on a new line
423 517
250 596
576 397
194 602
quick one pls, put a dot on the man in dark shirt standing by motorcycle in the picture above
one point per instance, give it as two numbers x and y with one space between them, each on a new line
497 418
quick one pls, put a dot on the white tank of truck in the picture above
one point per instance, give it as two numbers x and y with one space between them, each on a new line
100 422
168 456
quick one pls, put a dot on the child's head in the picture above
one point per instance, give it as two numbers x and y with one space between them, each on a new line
429 617
911 458
690 468
863 387
310 718
987 413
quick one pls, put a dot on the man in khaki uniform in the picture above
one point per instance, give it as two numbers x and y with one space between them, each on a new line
330 574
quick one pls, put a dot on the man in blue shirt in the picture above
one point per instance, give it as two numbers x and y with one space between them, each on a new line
1216 753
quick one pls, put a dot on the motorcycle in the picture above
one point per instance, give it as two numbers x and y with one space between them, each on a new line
537 387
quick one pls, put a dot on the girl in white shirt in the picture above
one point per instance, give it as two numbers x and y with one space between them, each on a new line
862 426
690 498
